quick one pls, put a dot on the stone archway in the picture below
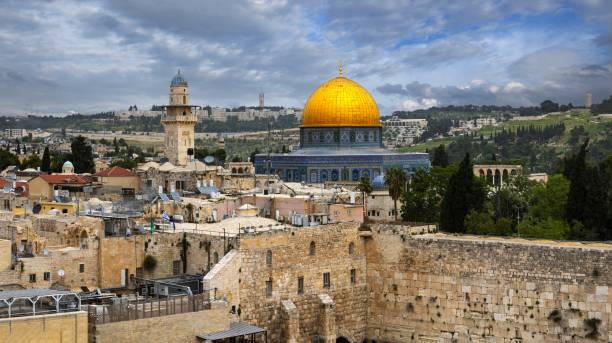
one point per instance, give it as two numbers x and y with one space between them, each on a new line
342 340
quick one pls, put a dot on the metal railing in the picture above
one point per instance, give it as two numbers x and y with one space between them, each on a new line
140 309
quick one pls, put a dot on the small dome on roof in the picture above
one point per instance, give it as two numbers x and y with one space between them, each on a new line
379 182
67 164
178 80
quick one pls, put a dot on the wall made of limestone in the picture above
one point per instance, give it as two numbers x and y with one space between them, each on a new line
5 254
291 260
201 252
459 289
53 328
222 281
178 328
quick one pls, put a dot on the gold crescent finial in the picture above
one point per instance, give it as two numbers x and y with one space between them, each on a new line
340 68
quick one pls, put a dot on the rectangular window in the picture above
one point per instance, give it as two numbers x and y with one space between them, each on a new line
301 285
269 288
47 276
81 268
353 276
326 280
32 278
176 267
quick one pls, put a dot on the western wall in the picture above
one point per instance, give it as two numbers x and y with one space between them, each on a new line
411 287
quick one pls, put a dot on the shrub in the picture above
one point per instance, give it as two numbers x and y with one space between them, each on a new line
555 316
592 326
150 262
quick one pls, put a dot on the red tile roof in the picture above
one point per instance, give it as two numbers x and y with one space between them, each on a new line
66 179
115 171
21 187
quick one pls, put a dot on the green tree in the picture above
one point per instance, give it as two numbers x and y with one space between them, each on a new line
463 194
396 180
365 187
127 163
45 164
7 159
220 155
549 200
32 161
252 155
440 157
82 155
421 203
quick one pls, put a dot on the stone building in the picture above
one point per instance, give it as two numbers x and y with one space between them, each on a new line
179 123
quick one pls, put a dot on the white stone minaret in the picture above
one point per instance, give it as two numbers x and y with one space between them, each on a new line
179 123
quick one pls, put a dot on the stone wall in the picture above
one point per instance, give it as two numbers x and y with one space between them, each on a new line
53 328
222 281
323 312
458 288
178 328
5 254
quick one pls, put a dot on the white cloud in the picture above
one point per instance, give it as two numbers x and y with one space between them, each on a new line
417 104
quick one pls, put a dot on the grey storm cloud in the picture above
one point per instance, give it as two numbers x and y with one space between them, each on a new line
62 55
562 84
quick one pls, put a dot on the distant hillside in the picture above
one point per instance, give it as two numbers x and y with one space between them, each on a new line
537 144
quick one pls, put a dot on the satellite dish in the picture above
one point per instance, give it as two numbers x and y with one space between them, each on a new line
209 159
60 273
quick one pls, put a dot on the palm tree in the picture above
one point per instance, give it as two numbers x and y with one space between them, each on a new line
365 187
396 180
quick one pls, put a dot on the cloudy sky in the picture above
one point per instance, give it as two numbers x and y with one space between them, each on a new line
87 56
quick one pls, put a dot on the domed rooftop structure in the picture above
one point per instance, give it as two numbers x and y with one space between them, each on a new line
178 80
379 182
67 168
340 102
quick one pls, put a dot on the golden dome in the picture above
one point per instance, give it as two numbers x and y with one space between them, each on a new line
340 102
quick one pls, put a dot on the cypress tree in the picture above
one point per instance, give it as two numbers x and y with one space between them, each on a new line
46 161
440 157
82 156
576 172
463 194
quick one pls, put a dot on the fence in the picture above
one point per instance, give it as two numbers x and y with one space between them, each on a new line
140 309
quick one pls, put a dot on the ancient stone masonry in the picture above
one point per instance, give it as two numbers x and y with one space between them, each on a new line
273 263
461 289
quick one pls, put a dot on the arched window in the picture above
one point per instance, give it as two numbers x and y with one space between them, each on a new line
184 100
216 257
269 258
351 248
312 249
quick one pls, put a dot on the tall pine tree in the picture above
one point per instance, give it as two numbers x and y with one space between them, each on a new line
46 161
576 172
82 155
463 194
440 157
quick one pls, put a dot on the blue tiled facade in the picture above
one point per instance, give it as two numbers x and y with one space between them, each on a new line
338 154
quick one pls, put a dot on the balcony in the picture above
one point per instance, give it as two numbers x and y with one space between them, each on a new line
179 118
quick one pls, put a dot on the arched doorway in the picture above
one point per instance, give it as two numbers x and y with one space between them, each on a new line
342 340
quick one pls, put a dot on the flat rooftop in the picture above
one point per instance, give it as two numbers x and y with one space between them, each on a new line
230 227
